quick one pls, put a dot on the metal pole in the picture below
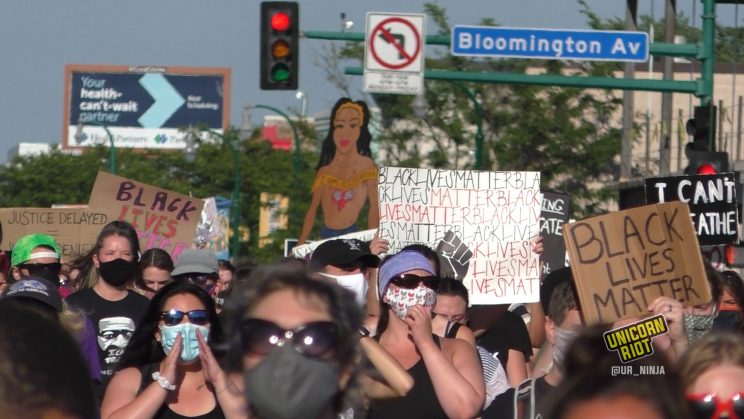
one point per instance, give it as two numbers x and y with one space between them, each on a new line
721 143
666 97
647 171
112 147
738 127
298 154
479 143
680 141
626 153
707 54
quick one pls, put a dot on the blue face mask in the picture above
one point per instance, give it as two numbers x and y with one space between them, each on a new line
190 344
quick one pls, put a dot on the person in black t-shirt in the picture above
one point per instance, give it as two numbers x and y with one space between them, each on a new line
114 310
561 327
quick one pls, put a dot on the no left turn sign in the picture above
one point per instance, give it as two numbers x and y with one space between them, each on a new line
394 49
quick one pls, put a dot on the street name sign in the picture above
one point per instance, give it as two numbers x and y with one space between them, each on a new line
550 44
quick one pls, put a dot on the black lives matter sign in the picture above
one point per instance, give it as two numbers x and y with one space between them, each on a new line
712 202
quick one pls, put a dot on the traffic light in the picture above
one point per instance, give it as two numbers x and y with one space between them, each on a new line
735 256
701 154
280 27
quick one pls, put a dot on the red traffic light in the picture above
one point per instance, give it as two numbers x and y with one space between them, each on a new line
280 21
707 169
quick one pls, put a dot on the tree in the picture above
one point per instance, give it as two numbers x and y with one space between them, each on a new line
565 125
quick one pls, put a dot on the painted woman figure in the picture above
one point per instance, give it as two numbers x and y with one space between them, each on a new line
346 174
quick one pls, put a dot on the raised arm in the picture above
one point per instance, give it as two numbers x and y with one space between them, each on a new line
457 376
307 225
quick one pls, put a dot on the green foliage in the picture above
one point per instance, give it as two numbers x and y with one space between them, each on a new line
59 178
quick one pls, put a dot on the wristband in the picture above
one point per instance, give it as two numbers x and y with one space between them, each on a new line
162 381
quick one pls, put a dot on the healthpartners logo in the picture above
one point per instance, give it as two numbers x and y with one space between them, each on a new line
634 341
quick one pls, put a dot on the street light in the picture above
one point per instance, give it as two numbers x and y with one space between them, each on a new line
190 153
80 137
298 154
303 108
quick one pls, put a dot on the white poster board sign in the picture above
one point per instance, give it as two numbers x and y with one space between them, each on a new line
495 214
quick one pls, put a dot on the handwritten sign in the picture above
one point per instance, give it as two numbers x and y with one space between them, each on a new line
554 214
622 261
162 218
75 229
712 202
496 215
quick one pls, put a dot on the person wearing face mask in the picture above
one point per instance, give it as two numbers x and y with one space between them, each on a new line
730 313
107 270
448 381
296 347
168 369
562 325
347 262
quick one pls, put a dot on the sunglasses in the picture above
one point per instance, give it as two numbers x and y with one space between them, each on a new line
411 281
174 317
35 268
196 279
313 340
710 406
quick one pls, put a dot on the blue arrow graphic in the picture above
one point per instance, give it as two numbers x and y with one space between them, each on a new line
167 100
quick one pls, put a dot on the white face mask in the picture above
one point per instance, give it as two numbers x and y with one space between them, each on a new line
354 283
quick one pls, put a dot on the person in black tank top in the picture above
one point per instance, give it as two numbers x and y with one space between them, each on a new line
168 370
448 381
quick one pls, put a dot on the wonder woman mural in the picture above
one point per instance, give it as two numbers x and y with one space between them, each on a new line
346 175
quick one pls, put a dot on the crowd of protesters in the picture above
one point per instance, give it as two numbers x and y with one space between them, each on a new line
354 331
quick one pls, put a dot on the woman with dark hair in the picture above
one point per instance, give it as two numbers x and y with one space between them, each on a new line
107 270
168 369
346 174
296 341
448 380
155 268
731 305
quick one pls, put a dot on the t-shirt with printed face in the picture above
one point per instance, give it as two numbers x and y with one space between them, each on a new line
114 323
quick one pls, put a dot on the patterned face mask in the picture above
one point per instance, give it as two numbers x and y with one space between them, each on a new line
400 300
698 325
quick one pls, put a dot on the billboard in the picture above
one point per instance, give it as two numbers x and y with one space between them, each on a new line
142 106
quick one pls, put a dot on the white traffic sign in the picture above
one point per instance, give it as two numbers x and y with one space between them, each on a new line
394 53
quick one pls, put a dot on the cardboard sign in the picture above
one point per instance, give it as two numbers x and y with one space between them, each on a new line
75 229
712 201
162 218
554 214
495 214
622 261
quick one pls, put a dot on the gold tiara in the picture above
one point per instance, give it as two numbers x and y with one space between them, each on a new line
350 105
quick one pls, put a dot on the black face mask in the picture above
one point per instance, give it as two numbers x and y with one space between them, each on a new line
116 272
728 320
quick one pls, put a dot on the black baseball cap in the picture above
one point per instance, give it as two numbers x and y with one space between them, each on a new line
342 252
38 289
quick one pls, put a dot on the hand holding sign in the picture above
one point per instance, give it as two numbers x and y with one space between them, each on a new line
456 255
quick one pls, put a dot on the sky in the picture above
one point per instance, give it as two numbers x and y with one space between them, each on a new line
39 37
